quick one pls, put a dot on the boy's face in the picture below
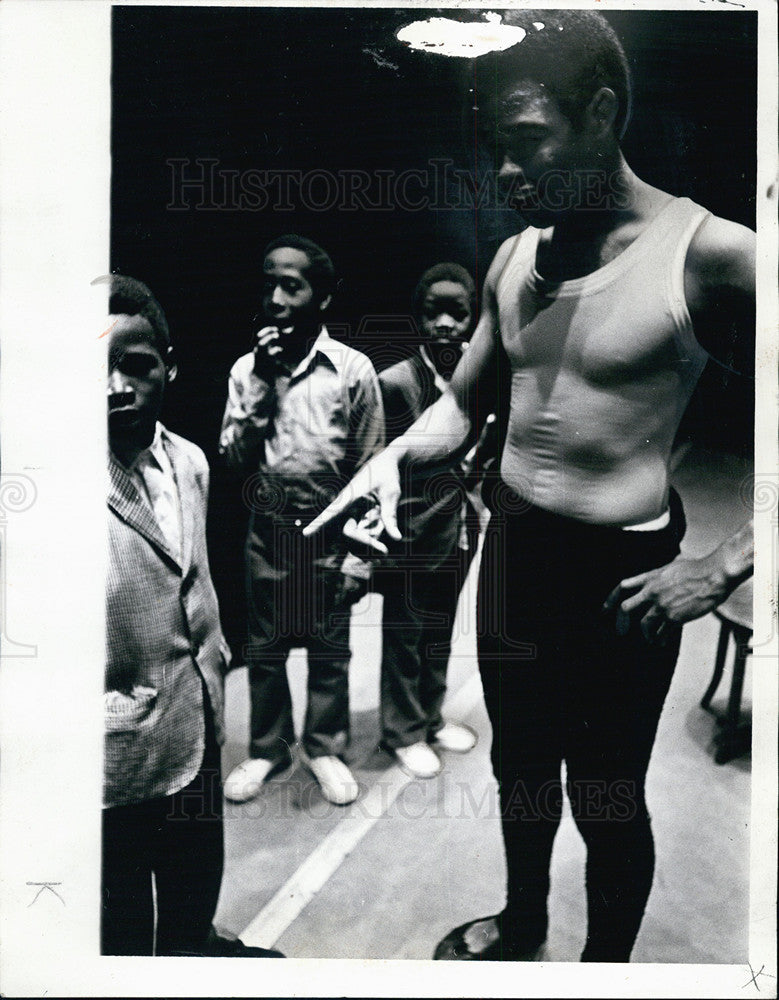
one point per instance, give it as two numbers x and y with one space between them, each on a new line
446 323
136 384
446 312
288 298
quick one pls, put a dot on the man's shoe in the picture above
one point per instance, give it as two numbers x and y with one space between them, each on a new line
335 779
418 760
455 737
245 951
480 940
222 947
246 780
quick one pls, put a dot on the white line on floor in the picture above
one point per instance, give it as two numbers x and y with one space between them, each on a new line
298 891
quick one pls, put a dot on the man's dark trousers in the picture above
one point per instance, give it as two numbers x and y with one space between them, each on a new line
561 683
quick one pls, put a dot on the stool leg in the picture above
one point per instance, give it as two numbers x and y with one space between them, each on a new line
741 637
729 742
719 665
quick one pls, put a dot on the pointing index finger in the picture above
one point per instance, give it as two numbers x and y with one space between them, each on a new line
333 509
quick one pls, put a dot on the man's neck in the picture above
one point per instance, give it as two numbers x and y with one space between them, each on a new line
617 197
586 239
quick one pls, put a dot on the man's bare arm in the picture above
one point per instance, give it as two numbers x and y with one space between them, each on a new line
686 589
720 292
438 432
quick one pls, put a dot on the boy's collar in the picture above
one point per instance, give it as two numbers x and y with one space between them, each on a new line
440 382
330 349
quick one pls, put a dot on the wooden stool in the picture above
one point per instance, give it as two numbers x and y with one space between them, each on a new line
735 615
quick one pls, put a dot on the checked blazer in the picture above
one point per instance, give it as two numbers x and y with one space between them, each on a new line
163 637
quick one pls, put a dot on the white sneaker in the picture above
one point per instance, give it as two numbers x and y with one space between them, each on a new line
418 760
335 779
455 737
246 780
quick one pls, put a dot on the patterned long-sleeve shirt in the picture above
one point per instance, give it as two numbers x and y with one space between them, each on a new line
302 437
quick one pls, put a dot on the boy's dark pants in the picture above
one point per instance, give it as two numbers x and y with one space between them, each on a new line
179 839
420 604
296 600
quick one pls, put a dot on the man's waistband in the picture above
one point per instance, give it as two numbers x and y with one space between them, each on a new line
656 524
503 500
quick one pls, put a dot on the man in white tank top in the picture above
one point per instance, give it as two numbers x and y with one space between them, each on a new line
606 308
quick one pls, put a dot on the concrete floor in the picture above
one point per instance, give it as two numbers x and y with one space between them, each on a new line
388 876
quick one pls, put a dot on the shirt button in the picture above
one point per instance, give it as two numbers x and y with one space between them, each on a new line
298 522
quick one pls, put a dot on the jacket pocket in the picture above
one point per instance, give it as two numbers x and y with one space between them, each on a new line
125 711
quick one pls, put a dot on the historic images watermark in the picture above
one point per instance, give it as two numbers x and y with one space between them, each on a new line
593 800
203 184
759 493
17 494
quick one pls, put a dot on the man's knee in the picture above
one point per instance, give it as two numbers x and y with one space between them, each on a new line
598 800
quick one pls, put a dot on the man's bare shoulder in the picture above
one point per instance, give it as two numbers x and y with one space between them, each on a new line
722 255
500 259
496 269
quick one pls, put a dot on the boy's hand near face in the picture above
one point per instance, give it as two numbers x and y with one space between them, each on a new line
269 350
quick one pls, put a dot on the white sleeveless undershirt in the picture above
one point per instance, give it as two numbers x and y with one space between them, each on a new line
617 344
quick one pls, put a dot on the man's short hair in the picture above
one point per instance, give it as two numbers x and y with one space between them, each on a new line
130 297
573 55
320 271
447 271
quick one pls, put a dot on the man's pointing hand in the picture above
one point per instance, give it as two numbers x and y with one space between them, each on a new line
379 477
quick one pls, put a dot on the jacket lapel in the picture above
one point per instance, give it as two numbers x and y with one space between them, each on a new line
127 503
182 473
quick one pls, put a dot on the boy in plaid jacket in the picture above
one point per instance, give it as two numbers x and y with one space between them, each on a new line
165 657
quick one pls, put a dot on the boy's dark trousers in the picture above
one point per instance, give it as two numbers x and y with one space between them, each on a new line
178 841
298 598
420 605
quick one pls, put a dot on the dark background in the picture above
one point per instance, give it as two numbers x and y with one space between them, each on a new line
332 89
